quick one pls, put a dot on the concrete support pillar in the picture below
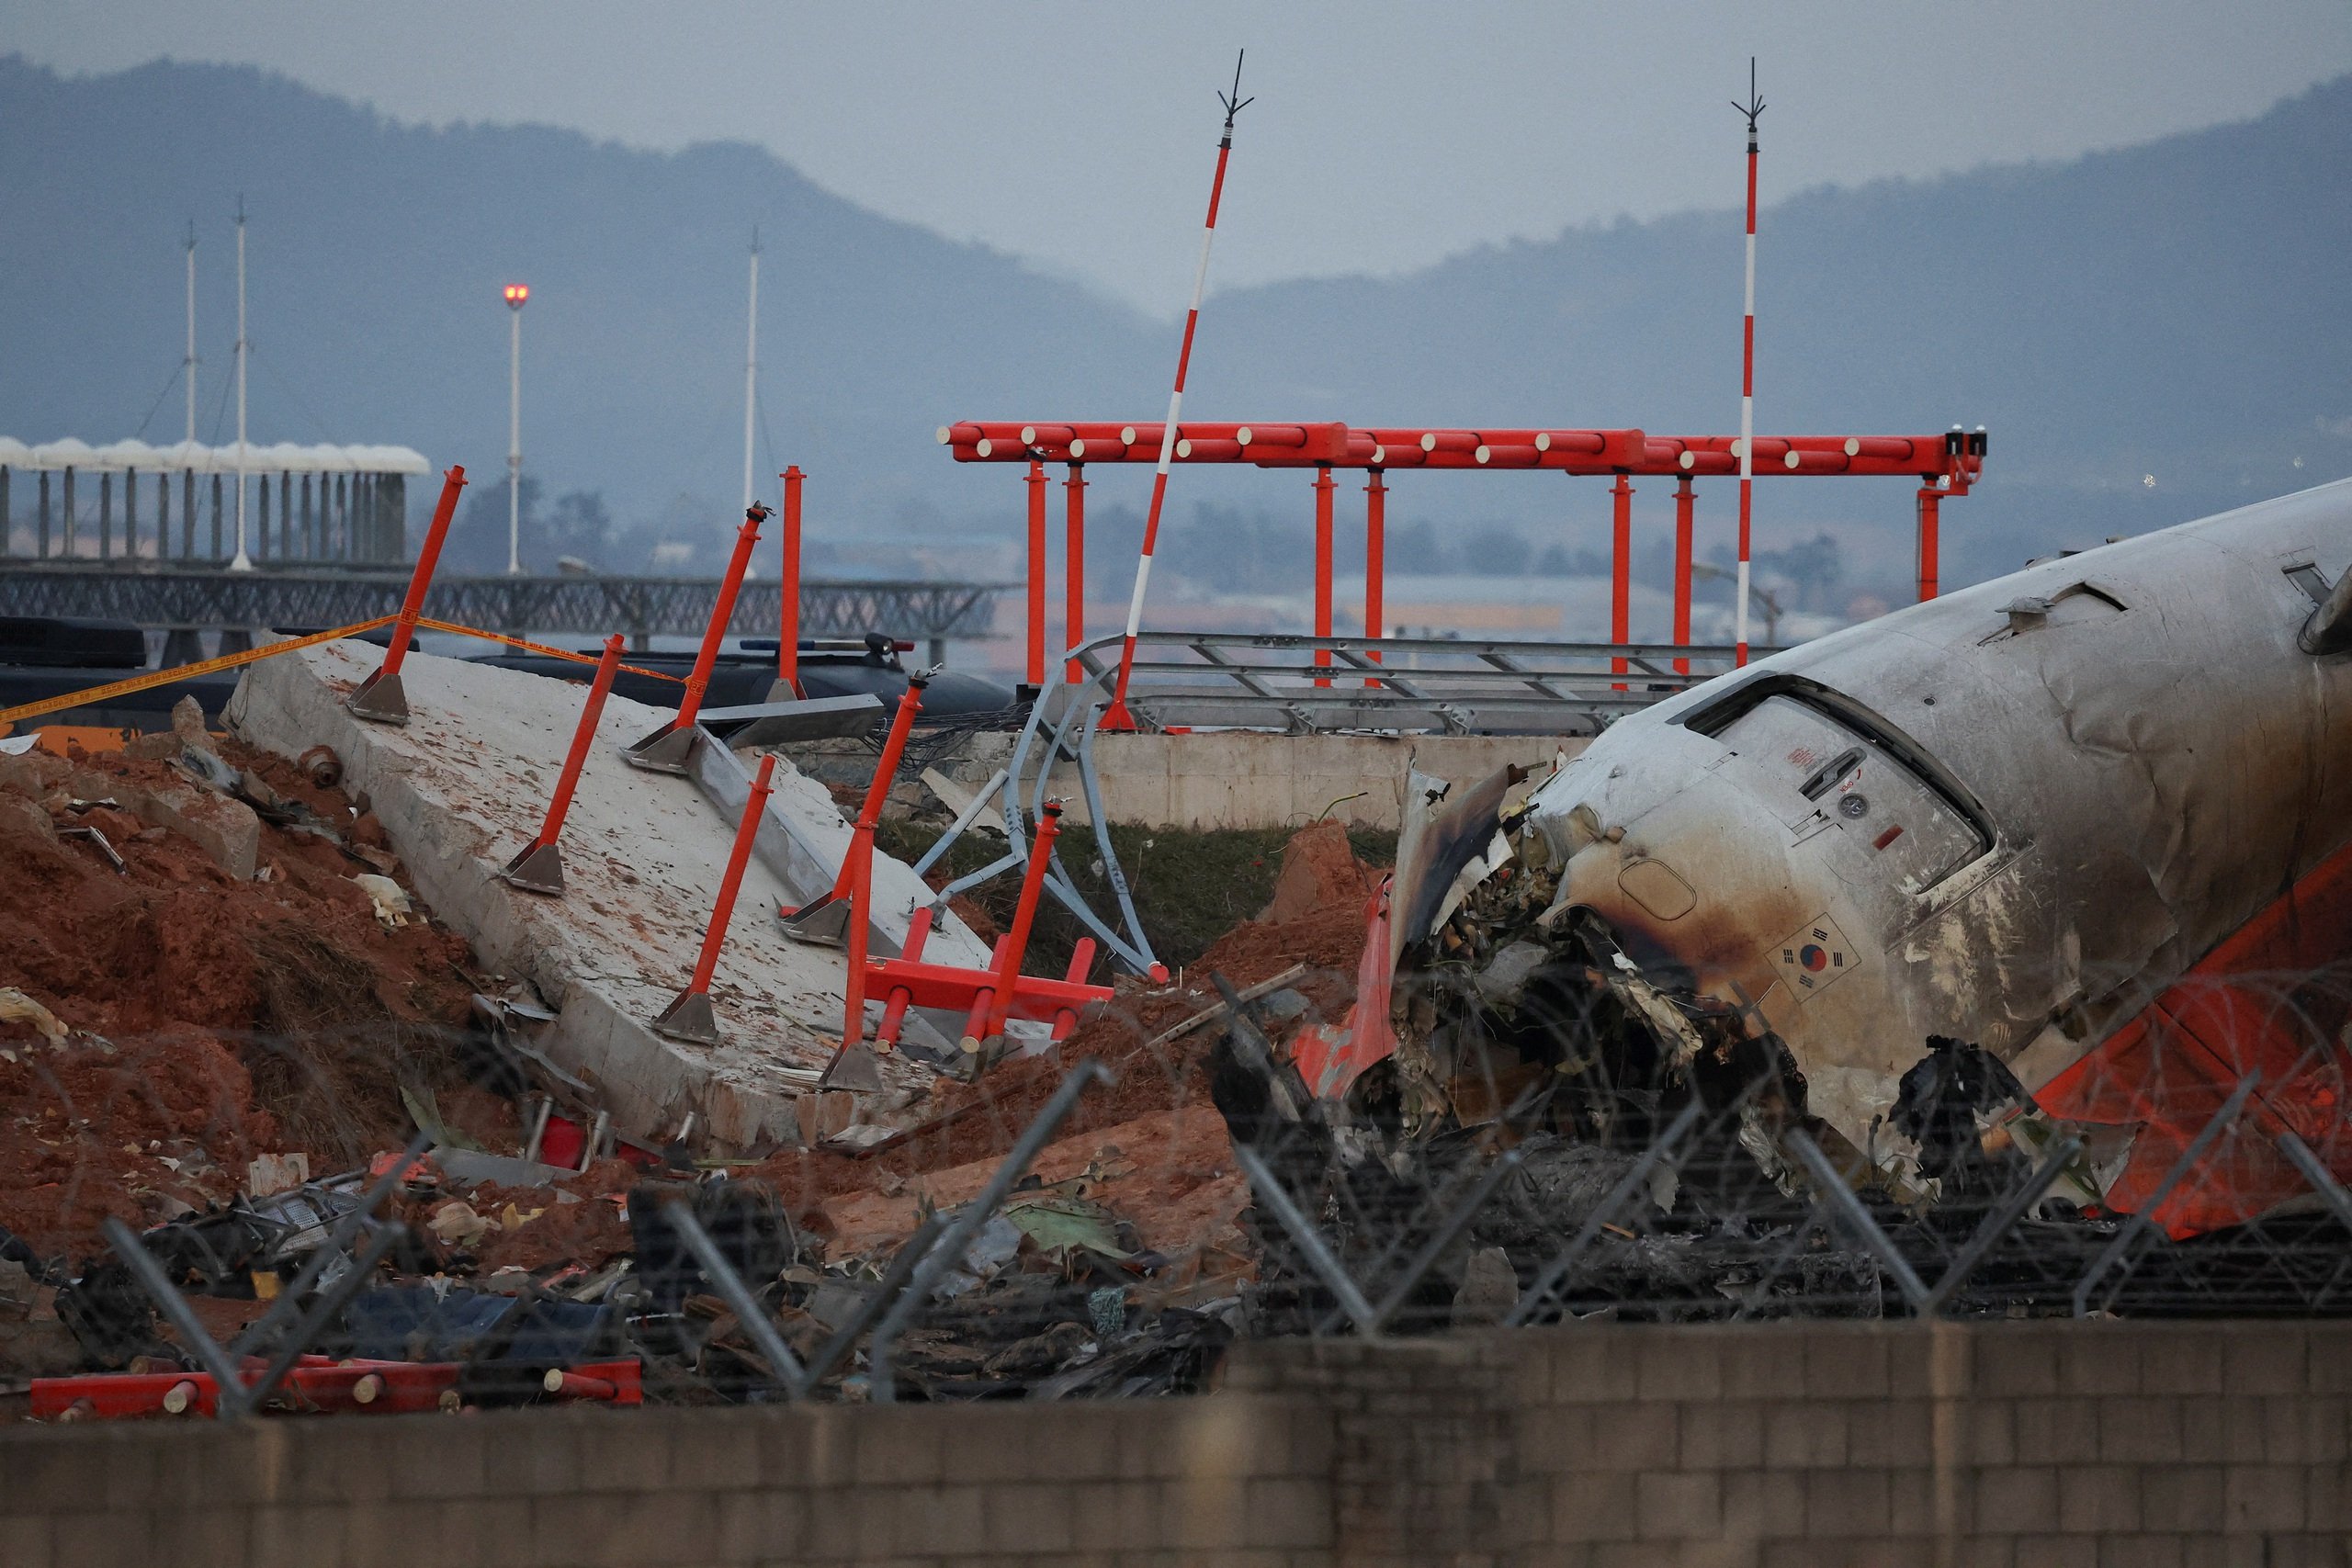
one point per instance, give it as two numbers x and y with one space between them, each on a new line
41 545
7 518
394 543
69 511
187 514
130 515
310 524
261 536
216 517
285 515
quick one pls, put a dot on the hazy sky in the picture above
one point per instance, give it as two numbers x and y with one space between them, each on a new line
1385 134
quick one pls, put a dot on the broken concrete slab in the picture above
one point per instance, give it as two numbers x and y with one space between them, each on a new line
466 782
18 814
225 828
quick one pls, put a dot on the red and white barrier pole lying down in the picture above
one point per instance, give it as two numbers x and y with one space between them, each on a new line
537 867
1753 107
669 748
1116 717
380 696
688 1017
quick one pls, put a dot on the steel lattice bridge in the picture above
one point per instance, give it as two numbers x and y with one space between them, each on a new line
590 605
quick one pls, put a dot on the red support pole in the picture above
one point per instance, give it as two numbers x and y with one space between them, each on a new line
894 1007
689 1016
721 611
859 864
975 1021
671 748
1683 500
746 830
1376 561
787 637
598 689
539 868
1323 563
1620 572
886 770
1081 959
1074 568
1032 884
1930 514
1036 666
821 921
380 697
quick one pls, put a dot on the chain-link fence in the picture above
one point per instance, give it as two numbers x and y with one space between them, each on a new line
207 1197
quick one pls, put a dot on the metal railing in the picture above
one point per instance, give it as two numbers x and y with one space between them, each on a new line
1449 686
640 606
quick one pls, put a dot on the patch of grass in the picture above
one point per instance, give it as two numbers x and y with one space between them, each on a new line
1189 886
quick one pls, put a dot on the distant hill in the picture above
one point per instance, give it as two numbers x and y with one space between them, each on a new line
2177 311
376 255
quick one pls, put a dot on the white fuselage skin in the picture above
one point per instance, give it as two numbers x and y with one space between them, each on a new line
2088 798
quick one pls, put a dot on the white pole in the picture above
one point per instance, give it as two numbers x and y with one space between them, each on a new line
514 442
1754 107
243 562
751 368
1116 714
188 364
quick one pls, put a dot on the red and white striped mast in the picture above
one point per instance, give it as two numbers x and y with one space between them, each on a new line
1753 107
1116 715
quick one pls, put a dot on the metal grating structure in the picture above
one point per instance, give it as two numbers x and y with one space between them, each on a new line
639 606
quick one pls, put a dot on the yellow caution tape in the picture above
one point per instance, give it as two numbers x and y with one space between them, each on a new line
539 647
95 695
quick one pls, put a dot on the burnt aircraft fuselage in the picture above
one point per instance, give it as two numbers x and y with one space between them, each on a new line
2014 815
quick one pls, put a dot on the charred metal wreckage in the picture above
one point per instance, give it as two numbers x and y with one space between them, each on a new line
2057 866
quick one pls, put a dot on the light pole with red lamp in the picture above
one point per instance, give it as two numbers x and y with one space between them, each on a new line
517 295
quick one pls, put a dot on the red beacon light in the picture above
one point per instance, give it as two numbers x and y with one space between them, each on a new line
516 293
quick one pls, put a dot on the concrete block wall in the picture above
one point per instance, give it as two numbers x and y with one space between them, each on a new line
1239 1481
1212 779
2071 1445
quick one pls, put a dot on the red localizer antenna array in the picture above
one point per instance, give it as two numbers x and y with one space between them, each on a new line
1751 108
1115 717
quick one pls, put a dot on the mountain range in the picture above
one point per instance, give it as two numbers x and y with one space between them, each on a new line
2149 334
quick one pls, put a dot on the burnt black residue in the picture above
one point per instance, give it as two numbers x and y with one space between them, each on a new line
1941 1103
